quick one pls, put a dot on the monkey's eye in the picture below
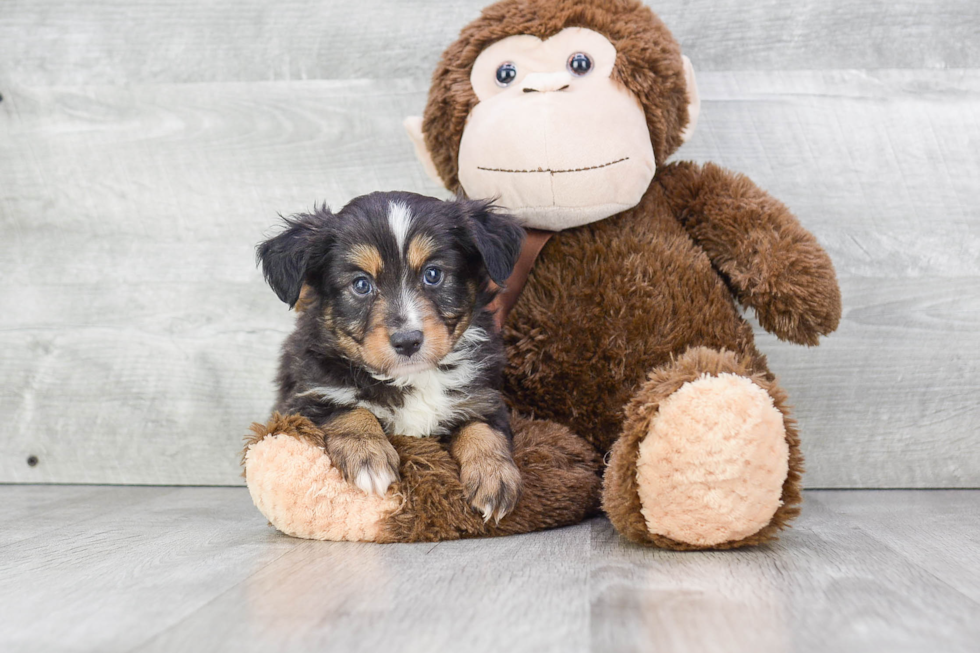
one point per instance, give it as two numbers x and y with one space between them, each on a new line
579 64
432 276
506 73
361 286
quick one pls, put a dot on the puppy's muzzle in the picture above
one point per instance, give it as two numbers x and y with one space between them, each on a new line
406 343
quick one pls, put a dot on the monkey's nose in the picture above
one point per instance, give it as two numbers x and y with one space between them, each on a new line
545 82
406 343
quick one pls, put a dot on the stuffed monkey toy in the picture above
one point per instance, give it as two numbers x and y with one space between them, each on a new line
628 358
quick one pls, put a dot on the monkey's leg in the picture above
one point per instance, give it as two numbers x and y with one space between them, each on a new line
708 457
293 483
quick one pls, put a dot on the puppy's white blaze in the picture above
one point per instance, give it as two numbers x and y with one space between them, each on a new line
399 219
412 312
376 482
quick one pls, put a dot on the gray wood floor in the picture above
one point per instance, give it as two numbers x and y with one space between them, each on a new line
94 568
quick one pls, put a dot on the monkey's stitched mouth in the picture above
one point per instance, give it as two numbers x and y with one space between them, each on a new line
556 172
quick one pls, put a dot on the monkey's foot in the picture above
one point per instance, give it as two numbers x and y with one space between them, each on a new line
707 464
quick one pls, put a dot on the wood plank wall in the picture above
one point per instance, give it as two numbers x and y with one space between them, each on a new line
145 147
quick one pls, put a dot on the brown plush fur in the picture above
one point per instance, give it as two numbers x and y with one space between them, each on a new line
648 294
620 498
648 63
560 477
770 261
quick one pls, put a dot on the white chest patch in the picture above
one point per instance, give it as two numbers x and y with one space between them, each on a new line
427 405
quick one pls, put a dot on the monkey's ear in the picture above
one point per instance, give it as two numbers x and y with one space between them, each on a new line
497 237
693 100
285 258
413 125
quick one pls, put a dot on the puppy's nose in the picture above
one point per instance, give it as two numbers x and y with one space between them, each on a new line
406 343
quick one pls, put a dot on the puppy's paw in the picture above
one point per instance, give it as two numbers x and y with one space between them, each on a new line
492 485
368 463
371 479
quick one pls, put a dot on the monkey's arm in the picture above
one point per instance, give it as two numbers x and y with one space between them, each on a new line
771 262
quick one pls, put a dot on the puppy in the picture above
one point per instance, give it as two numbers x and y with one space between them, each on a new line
396 337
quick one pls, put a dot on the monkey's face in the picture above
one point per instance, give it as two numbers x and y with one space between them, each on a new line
561 128
554 136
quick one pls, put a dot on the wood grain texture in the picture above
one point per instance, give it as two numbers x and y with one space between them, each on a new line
138 341
933 528
165 569
132 561
829 584
30 511
57 42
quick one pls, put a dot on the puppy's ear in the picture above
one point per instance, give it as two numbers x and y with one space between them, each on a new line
285 258
497 237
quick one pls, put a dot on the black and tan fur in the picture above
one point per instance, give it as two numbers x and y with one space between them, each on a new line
417 353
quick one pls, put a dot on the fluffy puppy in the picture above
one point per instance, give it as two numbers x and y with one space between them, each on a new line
396 337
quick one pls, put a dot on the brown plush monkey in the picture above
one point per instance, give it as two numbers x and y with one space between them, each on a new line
627 334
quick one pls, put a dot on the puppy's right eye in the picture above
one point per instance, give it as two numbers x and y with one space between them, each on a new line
361 286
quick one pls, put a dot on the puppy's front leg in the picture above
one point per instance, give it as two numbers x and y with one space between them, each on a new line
358 447
486 468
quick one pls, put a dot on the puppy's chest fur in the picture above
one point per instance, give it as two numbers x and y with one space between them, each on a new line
429 403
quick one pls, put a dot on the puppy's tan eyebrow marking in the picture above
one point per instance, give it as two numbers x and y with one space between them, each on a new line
419 251
368 258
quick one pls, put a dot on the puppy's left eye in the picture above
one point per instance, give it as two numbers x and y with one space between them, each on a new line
432 276
362 286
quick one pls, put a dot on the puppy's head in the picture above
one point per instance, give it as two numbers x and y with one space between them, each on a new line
393 279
